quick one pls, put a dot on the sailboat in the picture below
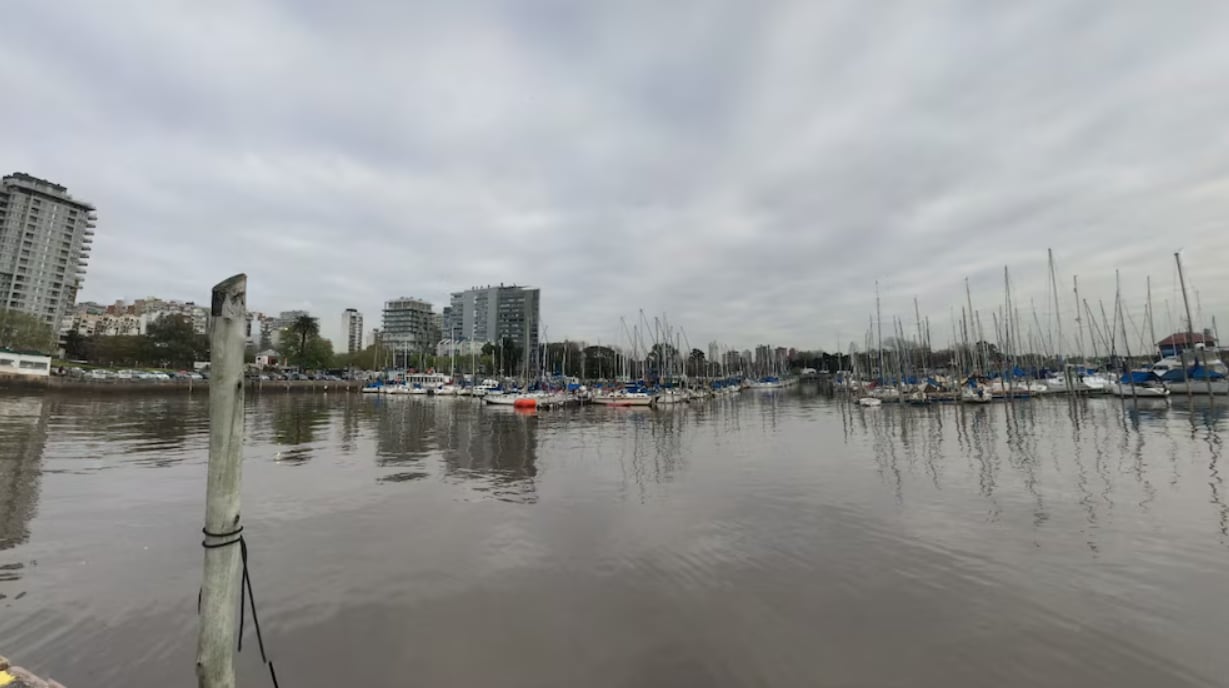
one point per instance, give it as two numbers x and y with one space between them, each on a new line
1139 384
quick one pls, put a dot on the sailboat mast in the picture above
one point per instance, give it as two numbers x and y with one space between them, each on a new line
1058 315
1079 321
917 318
968 295
1190 333
879 321
1152 329
1126 343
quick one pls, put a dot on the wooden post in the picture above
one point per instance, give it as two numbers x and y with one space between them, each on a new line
221 585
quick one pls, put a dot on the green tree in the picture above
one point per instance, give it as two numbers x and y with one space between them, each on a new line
76 347
660 357
695 362
304 328
506 355
599 362
314 353
25 332
560 353
171 342
118 350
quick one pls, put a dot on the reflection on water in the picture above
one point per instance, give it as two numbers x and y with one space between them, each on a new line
769 539
23 427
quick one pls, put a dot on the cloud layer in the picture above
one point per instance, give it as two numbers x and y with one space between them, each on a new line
750 168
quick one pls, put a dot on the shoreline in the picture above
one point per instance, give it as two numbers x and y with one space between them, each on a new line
60 385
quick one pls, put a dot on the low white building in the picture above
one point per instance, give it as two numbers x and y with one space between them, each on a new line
460 347
24 364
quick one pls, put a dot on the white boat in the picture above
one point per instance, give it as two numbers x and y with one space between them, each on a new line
1197 372
975 395
869 402
486 387
1037 387
1215 387
498 398
767 382
448 390
890 394
672 396
1139 384
625 398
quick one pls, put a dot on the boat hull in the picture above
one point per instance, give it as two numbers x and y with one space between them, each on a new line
623 401
1138 391
1218 387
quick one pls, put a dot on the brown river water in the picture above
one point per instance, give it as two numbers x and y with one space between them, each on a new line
773 539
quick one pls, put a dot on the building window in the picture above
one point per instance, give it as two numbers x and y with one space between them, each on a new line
32 365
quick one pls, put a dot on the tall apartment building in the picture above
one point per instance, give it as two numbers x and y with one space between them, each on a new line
490 314
352 329
408 325
45 238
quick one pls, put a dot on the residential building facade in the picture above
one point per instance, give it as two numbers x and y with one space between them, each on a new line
127 319
491 314
45 239
352 329
408 325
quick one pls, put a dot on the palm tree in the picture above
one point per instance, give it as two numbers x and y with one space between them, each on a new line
306 327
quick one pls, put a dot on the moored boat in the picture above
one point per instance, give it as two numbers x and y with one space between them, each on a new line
1139 384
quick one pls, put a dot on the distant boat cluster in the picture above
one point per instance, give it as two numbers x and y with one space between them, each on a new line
1193 373
1006 366
559 392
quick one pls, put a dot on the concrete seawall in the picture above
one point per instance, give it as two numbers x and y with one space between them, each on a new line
67 385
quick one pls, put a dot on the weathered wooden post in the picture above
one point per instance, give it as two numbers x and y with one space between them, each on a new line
221 584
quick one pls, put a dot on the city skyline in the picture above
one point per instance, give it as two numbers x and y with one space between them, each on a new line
753 176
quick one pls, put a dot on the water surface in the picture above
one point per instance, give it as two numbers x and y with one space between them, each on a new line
774 539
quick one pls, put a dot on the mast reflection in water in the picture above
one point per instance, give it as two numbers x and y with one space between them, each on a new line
768 539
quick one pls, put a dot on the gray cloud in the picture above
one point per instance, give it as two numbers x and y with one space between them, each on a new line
752 169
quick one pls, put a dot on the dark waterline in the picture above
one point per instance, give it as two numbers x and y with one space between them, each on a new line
773 539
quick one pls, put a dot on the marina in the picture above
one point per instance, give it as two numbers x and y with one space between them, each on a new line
789 537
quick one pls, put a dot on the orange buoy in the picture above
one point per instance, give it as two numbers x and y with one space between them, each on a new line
526 403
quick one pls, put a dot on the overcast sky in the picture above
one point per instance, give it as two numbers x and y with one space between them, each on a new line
750 168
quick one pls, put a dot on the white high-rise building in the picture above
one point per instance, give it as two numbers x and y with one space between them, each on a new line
45 238
491 314
352 329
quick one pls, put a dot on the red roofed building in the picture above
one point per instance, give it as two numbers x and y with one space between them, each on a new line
1175 343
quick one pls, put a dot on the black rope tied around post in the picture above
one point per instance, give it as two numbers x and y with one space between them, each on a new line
236 536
